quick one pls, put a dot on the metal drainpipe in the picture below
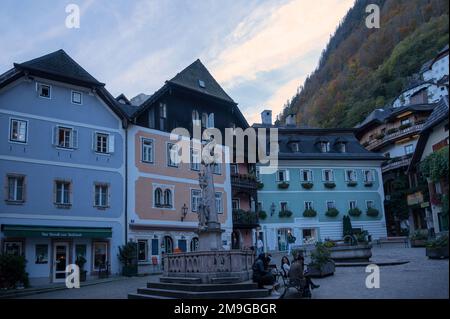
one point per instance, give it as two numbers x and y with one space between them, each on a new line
126 182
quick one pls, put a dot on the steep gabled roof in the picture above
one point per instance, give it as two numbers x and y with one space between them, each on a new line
59 64
191 76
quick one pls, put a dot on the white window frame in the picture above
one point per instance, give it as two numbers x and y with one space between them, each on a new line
100 204
408 146
76 92
73 139
38 90
11 120
218 201
195 199
93 252
143 146
372 176
63 190
168 152
325 145
370 201
168 198
195 160
330 201
285 175
98 135
350 204
306 202
309 173
15 190
332 175
145 241
407 121
19 243
236 200
347 179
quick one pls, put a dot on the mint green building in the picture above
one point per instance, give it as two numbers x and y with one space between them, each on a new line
322 175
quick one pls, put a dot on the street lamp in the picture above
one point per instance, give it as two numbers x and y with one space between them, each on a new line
184 210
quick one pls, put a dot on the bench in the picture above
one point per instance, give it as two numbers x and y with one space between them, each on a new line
393 240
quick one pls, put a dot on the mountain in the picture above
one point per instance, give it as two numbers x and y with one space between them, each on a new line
362 69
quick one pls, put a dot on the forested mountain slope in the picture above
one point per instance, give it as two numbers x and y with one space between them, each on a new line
362 69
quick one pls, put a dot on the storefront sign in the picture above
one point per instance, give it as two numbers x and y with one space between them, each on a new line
55 232
414 199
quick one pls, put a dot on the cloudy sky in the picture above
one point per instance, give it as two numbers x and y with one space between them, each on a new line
259 51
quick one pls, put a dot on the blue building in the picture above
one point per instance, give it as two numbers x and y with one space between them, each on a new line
322 175
62 168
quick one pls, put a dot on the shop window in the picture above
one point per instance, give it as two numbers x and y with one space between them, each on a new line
100 255
41 254
14 248
142 250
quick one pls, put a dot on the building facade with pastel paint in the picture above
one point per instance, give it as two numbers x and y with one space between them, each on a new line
62 168
321 175
163 195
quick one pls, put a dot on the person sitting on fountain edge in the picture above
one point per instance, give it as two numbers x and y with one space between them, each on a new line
261 276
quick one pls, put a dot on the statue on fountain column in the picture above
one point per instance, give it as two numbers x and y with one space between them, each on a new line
207 213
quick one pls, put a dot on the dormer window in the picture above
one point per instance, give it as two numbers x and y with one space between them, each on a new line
324 147
201 84
295 147
341 147
195 116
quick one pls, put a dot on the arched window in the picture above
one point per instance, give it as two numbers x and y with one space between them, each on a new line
158 197
204 119
195 116
168 198
168 245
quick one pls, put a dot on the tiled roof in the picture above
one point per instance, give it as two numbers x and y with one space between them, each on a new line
59 63
308 149
191 76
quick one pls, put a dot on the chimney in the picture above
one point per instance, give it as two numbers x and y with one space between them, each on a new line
290 120
266 117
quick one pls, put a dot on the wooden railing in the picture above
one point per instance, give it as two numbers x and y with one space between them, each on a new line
375 143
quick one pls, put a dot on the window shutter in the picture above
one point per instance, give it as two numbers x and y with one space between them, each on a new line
287 175
111 143
75 138
55 135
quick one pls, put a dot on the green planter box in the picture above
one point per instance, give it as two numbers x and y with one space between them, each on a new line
437 252
322 271
129 271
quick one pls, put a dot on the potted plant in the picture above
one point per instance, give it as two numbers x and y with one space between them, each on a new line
352 183
419 238
80 262
372 212
259 185
307 185
262 214
332 212
321 263
392 130
355 212
283 185
309 212
368 184
329 184
128 257
12 272
438 248
285 213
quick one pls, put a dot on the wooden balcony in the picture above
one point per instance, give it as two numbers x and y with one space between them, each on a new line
243 183
401 133
245 219
396 162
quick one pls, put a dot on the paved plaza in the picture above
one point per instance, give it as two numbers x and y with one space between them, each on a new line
420 278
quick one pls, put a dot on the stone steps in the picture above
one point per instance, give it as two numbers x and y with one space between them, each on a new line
184 280
202 287
225 280
180 294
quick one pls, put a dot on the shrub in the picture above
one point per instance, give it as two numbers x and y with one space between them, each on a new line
332 212
320 255
307 185
347 229
285 213
283 185
329 244
380 136
420 234
262 214
259 185
354 212
441 241
352 183
80 261
309 213
12 271
372 212
329 184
